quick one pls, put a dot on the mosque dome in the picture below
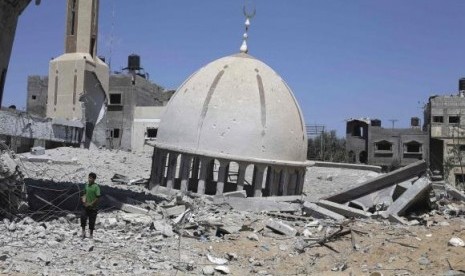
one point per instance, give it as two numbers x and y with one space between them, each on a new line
235 108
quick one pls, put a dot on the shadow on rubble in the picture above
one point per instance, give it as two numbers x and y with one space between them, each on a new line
48 200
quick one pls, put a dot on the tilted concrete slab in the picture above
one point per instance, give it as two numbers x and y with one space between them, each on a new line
127 207
343 210
416 192
380 182
281 228
347 166
257 204
454 193
319 212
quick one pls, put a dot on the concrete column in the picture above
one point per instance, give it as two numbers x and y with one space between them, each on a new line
195 168
284 182
159 170
300 181
185 168
241 176
258 180
172 164
222 172
292 182
204 165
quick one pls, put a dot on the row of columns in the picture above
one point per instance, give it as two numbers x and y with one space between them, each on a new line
279 180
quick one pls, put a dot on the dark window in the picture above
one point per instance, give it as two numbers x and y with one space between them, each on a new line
34 97
462 148
115 99
152 132
114 133
357 131
383 145
459 179
438 119
413 147
454 120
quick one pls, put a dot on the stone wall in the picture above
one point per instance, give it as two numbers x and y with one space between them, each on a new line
37 87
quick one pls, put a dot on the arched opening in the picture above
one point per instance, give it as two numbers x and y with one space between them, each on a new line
363 157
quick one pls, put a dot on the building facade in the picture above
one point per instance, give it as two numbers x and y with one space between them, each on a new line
134 101
368 142
445 122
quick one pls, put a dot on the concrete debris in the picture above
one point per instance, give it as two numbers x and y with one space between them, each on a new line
208 270
122 179
126 207
316 211
223 269
343 210
380 182
216 260
174 211
454 193
454 241
37 151
281 228
152 233
13 197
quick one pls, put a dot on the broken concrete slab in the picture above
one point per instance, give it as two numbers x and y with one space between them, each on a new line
416 192
37 151
175 211
347 166
381 182
126 207
343 209
281 228
319 212
294 198
454 193
257 204
241 194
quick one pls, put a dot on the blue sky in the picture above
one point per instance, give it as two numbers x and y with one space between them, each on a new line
342 58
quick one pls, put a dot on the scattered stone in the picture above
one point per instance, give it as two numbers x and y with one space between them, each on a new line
175 211
216 260
252 237
208 270
223 269
424 261
281 228
457 242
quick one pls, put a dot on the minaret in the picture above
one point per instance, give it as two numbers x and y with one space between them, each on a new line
82 27
78 79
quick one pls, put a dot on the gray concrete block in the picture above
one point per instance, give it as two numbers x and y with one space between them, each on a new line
281 228
343 209
175 211
319 212
126 207
454 193
257 204
414 193
241 194
380 182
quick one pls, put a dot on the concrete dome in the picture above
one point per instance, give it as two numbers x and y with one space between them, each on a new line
235 108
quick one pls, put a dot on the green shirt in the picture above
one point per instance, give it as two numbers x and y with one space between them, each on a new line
92 192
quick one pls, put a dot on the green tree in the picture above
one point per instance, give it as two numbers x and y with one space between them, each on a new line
327 147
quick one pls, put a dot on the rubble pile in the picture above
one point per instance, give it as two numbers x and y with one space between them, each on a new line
391 224
12 188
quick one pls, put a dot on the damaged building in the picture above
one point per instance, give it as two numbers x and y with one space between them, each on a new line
367 142
234 125
133 110
444 117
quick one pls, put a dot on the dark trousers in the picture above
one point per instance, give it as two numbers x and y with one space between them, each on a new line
90 213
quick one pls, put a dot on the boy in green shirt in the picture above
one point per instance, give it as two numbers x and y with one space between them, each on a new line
90 199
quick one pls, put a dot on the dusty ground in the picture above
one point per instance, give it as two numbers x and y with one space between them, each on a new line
129 246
